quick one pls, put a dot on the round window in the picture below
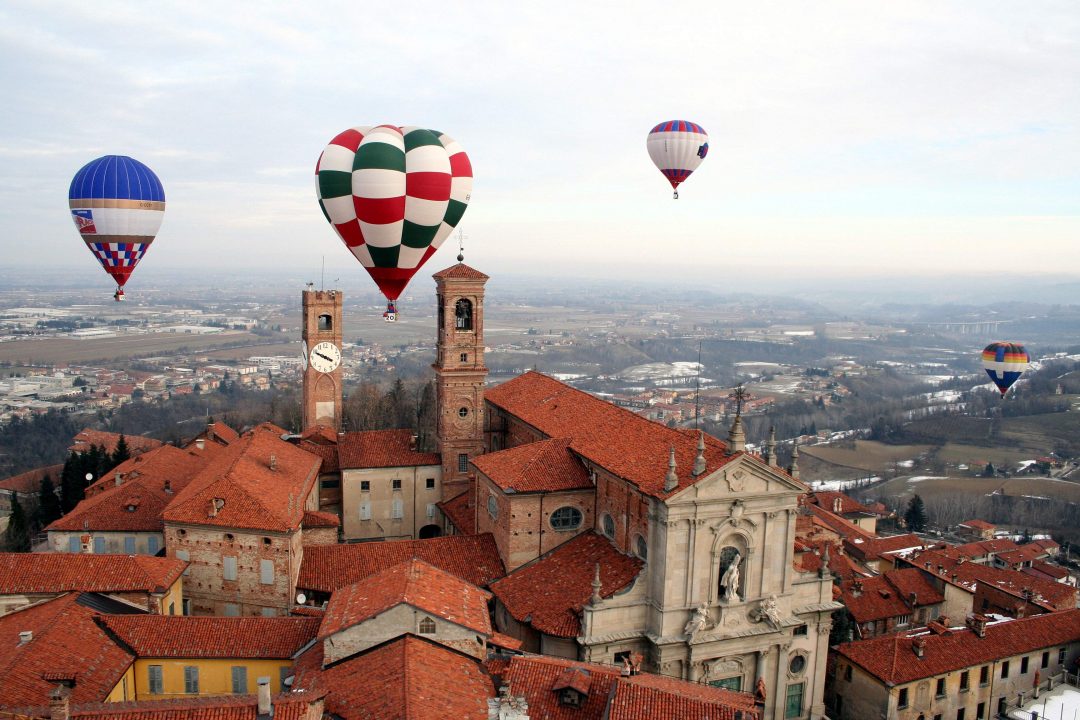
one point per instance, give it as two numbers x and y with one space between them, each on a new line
566 518
463 412
641 548
797 665
493 506
609 526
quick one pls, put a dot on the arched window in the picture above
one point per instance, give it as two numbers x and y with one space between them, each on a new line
641 548
463 312
326 323
607 525
427 626
566 518
493 506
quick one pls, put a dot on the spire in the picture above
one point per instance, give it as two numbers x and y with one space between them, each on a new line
699 461
671 480
825 561
736 436
770 446
794 469
595 599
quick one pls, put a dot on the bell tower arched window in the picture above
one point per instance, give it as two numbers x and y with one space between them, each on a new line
463 315
326 323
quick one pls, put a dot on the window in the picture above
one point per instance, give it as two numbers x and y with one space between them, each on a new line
901 698
1023 665
157 683
464 357
797 664
728 683
232 610
964 681
940 690
463 462
984 675
463 412
268 612
228 568
186 557
397 509
902 620
191 680
430 483
463 315
99 545
129 545
285 676
172 608
608 525
365 511
431 510
960 714
266 572
395 484
365 486
185 607
73 544
847 673
493 506
427 626
326 323
980 712
1046 659
1004 669
800 630
793 706
641 548
153 544
330 484
565 518
239 679
1061 656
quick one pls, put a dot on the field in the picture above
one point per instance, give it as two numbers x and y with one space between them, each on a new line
51 351
242 353
867 455
932 488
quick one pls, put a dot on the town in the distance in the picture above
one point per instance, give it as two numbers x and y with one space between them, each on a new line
511 506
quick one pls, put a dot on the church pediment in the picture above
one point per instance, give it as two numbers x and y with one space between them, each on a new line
744 477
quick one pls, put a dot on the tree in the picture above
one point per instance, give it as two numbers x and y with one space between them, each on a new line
915 515
989 471
71 483
121 452
48 508
17 536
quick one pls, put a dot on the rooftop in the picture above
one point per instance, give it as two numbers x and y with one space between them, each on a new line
179 636
32 573
381 448
136 443
29 482
544 466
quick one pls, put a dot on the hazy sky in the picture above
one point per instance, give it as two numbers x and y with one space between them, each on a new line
901 137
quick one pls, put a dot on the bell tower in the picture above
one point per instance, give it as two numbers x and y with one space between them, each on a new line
322 358
459 373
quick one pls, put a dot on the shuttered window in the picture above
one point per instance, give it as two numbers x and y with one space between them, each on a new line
153 544
397 509
129 545
239 679
266 572
157 684
228 568
74 545
191 680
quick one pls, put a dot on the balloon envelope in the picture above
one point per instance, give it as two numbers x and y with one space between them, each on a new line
1005 363
393 194
677 147
117 204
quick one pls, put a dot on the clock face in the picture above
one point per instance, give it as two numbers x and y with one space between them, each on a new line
325 357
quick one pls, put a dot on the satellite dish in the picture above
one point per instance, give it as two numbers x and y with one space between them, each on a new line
301 598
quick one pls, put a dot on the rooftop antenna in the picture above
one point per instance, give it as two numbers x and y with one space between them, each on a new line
697 389
460 245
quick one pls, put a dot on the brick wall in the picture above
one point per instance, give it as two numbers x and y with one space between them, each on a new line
627 507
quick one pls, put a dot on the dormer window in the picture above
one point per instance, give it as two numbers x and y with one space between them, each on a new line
427 626
572 687
571 698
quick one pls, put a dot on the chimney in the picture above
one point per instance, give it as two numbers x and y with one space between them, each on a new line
215 506
412 441
26 636
59 703
856 588
699 461
919 647
118 479
273 462
168 486
913 599
671 480
837 505
977 623
265 708
200 443
209 434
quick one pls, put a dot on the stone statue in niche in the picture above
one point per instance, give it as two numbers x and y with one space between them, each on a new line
729 581
698 622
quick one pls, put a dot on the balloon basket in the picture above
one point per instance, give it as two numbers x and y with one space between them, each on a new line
391 312
118 296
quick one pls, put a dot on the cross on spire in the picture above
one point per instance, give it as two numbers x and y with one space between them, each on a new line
739 395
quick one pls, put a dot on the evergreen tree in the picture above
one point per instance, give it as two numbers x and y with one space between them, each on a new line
48 508
121 452
71 483
989 471
915 515
17 536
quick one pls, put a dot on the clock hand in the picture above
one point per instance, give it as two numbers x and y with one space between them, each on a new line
324 357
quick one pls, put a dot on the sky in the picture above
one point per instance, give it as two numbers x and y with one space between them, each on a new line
847 139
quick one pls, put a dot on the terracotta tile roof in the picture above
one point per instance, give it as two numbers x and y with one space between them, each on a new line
414 583
544 466
136 443
221 432
840 565
892 659
609 695
982 548
1054 572
461 511
978 525
473 558
967 575
138 503
875 547
328 453
66 642
461 271
251 494
830 500
497 639
381 448
837 524
549 592
889 595
320 519
320 435
625 444
910 582
222 707
29 482
64 572
179 636
408 678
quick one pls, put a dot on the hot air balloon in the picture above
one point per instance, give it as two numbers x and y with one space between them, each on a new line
677 147
1005 363
117 204
393 194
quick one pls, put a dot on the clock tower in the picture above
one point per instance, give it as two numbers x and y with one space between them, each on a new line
459 373
322 358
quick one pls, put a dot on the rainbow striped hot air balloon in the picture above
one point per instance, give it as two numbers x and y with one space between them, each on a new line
1005 363
393 194
677 147
117 204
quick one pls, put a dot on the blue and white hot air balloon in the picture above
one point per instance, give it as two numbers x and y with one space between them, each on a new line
117 204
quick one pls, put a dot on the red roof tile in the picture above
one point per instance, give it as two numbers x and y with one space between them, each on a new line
328 453
29 482
179 636
875 547
978 525
626 444
414 583
381 448
497 639
66 641
251 493
653 697
136 443
892 659
837 524
544 466
408 678
549 592
473 558
831 500
982 548
320 519
461 271
461 511
889 595
64 572
222 707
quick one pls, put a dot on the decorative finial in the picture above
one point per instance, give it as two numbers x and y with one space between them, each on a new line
595 599
699 461
793 471
736 436
825 561
770 447
671 480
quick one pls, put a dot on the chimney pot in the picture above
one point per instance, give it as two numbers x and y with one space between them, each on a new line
265 707
59 703
200 443
119 478
273 462
26 636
